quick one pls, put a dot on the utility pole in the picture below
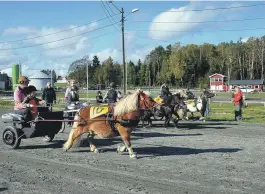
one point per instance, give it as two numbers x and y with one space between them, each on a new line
51 79
123 54
123 46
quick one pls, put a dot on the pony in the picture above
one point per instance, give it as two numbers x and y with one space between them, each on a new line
199 104
172 105
125 116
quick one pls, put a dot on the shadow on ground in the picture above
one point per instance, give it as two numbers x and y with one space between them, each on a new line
54 144
171 151
196 125
157 134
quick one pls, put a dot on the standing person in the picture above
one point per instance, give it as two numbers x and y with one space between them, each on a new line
68 95
111 95
49 95
206 96
238 102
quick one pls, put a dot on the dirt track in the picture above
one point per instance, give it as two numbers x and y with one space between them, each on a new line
196 158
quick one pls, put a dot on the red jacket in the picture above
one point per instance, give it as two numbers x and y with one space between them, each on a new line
238 98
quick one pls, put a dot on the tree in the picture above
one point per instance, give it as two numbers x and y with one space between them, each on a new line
77 71
48 72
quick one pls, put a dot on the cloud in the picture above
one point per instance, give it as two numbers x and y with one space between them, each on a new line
67 47
245 39
116 55
181 15
18 30
7 57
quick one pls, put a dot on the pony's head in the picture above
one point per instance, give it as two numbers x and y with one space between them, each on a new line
133 102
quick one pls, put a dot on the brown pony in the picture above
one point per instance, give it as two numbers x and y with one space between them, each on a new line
129 108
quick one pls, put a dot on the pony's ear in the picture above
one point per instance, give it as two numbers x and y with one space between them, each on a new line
139 90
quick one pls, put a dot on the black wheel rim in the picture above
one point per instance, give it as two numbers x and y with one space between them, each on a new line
9 138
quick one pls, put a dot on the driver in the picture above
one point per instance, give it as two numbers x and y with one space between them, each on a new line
164 92
20 107
111 95
32 100
190 94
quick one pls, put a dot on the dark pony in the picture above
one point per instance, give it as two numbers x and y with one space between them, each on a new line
171 106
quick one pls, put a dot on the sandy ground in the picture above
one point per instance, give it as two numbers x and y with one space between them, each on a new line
198 157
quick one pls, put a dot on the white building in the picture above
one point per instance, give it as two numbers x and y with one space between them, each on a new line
39 80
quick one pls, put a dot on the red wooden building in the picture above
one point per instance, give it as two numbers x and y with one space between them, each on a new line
218 82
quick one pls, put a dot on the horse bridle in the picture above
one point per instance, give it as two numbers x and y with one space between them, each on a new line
146 104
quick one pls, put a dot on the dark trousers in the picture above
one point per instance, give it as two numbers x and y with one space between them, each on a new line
238 112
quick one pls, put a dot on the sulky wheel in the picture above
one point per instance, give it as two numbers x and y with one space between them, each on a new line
11 137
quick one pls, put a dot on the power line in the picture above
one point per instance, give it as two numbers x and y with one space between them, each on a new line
218 8
58 40
145 37
58 46
68 29
246 29
180 22
108 14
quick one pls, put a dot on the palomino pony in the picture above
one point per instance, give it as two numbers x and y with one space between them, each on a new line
199 105
93 120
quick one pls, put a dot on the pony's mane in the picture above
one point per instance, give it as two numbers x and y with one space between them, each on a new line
128 103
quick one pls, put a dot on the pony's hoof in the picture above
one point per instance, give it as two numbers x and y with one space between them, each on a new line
133 156
121 149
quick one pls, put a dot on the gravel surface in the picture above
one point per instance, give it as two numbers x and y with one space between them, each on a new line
211 157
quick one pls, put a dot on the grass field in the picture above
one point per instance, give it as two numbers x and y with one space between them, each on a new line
254 113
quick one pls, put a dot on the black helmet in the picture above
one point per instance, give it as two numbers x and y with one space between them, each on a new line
32 88
112 85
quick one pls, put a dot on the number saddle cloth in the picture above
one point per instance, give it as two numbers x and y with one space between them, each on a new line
99 110
190 102
158 100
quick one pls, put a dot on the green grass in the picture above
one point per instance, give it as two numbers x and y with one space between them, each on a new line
248 95
254 113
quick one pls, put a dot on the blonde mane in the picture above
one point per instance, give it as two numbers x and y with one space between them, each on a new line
128 103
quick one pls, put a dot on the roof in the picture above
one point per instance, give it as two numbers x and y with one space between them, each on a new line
39 75
246 82
217 74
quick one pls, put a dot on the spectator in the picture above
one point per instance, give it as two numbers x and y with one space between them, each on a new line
238 102
49 95
68 95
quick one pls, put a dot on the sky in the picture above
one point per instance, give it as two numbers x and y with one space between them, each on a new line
51 35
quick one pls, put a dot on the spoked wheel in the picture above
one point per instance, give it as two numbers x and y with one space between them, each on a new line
11 137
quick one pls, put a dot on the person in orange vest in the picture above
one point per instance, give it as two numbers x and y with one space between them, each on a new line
238 102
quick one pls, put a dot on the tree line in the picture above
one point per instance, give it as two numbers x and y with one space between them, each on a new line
182 66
